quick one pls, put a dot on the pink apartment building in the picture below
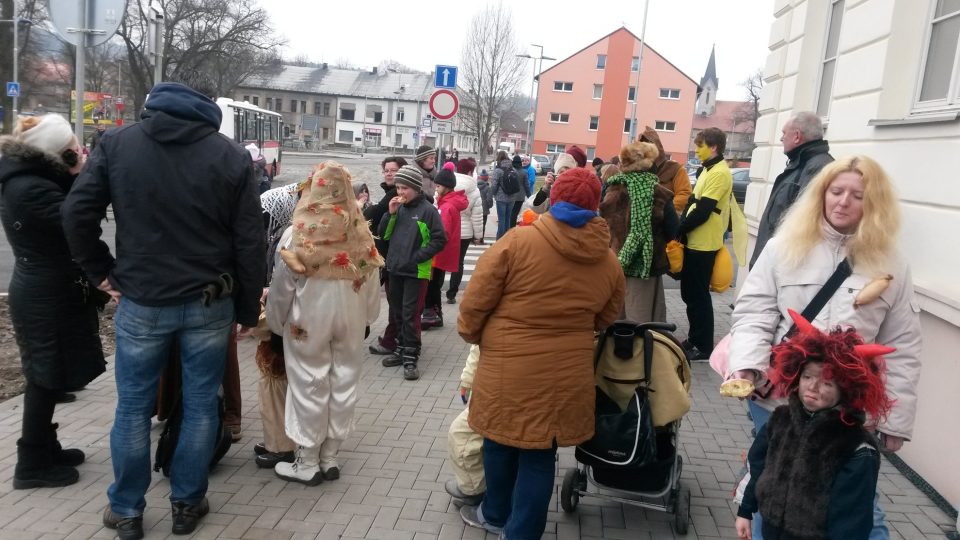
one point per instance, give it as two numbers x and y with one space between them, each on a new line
587 99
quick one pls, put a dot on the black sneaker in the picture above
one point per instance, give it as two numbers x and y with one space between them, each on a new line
269 460
333 473
391 361
380 349
696 355
452 300
186 516
260 449
130 528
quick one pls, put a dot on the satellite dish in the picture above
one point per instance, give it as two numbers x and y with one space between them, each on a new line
103 19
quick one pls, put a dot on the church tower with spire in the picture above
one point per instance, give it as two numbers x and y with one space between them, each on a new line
707 100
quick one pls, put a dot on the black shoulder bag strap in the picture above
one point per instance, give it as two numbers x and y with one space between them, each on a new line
813 309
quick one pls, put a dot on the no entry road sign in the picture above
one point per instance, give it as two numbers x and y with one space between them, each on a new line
444 104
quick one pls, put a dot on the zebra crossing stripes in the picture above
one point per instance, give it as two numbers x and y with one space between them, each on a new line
470 261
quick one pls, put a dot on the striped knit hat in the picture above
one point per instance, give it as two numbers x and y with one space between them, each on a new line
424 152
409 176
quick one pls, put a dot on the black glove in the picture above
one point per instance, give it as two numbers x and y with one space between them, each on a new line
366 332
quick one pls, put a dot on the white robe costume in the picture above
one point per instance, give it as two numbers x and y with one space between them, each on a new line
322 322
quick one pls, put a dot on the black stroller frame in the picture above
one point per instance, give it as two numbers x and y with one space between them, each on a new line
670 497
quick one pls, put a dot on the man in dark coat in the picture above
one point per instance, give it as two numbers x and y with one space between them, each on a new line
807 152
190 244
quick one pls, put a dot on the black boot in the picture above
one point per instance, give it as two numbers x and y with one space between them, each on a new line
410 356
394 359
35 468
71 457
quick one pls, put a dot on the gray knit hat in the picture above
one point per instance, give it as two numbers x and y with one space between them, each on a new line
409 176
424 152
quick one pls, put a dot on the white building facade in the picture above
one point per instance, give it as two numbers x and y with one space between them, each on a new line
885 77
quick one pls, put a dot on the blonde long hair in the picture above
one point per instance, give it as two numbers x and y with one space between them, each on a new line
875 238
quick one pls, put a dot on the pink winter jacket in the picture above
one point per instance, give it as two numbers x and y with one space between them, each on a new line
450 206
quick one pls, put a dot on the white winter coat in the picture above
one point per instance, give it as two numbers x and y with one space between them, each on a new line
471 219
760 317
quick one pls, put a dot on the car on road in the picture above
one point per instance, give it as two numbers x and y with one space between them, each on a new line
741 179
542 164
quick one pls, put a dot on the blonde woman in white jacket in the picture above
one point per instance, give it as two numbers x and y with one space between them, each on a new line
471 224
848 210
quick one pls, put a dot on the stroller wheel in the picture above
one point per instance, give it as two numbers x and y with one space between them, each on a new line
569 495
681 518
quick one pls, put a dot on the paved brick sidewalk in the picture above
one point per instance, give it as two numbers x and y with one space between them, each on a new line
395 465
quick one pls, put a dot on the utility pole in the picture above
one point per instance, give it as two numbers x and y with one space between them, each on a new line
636 93
537 66
81 67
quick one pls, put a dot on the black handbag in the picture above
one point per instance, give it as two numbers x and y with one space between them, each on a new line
623 438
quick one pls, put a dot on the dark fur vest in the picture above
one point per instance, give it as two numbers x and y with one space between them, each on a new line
804 455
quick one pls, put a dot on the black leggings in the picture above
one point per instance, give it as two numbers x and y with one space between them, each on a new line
38 405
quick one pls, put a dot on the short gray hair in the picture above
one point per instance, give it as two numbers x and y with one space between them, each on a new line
808 124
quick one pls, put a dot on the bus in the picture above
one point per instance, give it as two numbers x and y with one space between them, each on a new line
246 123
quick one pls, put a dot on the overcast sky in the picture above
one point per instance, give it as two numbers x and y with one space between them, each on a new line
424 33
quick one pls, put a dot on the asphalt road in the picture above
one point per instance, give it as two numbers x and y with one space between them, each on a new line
293 169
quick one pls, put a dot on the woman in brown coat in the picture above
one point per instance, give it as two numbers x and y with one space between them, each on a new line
532 305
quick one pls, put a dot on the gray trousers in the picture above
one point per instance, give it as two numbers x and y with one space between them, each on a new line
644 300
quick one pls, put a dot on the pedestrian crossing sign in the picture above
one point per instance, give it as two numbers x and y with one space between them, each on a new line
13 89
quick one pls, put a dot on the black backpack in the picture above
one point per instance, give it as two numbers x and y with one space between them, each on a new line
167 443
509 182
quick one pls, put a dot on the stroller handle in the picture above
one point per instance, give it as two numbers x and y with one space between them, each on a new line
639 328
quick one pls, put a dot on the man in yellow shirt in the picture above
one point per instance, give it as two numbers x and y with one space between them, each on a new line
704 228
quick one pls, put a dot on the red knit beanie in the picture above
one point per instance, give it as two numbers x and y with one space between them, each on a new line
579 155
577 186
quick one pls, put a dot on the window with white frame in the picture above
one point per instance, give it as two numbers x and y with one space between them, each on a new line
591 153
632 93
560 86
560 118
663 125
626 125
598 91
939 80
635 64
594 123
400 114
828 69
556 148
669 93
601 61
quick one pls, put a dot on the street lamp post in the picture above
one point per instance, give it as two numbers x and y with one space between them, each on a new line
17 21
537 66
636 92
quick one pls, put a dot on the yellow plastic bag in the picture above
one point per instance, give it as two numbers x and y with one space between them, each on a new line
722 274
675 256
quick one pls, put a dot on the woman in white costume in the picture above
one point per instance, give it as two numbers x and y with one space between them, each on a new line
322 301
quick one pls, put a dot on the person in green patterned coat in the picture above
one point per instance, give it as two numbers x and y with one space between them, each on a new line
642 219
415 232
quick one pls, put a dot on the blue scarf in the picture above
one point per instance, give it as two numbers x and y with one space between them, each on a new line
571 214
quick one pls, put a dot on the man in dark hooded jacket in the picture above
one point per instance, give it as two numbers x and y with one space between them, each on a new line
807 152
189 263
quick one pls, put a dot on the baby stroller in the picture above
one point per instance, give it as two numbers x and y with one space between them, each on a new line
643 385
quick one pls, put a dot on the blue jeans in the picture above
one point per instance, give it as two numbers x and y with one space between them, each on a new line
519 487
880 530
144 338
504 212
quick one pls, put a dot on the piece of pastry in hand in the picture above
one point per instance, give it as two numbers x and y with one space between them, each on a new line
738 388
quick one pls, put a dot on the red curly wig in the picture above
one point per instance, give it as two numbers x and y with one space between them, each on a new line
857 369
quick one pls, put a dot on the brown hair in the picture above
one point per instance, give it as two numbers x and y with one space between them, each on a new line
712 137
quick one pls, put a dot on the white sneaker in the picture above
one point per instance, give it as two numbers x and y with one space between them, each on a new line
304 469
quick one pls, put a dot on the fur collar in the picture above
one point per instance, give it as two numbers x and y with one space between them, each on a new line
31 155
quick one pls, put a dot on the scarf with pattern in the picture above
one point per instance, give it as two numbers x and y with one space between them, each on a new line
636 255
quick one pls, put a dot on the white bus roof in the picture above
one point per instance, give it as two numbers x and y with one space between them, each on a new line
227 102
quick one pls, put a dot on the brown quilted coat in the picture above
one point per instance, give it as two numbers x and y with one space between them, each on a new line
532 305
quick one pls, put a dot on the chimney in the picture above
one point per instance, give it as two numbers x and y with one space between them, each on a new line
374 70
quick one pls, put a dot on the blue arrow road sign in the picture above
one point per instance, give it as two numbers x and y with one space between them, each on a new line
13 88
445 77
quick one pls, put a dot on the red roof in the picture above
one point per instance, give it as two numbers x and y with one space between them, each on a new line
723 118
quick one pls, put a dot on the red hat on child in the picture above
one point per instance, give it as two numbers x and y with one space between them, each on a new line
577 186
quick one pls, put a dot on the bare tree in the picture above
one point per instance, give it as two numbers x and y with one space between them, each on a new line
343 63
749 112
491 71
227 40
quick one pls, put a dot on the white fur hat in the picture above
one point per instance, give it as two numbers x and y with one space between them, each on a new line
564 161
254 152
52 134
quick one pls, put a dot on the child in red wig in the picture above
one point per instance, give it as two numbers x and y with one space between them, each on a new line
814 465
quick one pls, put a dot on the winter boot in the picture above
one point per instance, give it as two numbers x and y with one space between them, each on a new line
304 469
35 468
394 359
410 356
70 457
328 459
430 318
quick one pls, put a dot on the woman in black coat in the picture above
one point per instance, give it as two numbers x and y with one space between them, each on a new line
52 306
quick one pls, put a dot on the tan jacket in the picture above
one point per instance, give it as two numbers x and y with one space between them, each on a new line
533 304
760 318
